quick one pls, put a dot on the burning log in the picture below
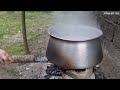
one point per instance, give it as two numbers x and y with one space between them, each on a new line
29 58
24 58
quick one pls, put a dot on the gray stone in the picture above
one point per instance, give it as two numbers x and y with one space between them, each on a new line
65 76
87 74
116 39
109 68
111 51
92 76
107 28
98 13
118 20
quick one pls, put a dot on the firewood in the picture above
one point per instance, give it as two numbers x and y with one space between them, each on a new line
24 58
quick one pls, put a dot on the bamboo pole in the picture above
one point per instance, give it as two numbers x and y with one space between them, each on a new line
24 33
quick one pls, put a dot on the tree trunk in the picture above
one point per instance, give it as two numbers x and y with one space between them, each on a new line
24 33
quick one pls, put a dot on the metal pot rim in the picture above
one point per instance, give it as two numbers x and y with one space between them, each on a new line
71 39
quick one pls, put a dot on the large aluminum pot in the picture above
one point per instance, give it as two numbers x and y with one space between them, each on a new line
74 47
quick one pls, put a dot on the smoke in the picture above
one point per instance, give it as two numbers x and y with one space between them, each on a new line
86 18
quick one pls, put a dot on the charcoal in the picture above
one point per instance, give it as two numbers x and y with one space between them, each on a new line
56 73
47 76
53 72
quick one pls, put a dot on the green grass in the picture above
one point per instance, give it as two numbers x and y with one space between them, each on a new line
17 48
10 24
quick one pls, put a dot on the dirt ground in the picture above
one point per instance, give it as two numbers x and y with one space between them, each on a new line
23 71
28 70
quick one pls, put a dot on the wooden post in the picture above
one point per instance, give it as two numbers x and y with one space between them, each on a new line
24 33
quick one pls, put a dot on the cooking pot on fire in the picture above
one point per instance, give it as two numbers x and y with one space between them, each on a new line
74 47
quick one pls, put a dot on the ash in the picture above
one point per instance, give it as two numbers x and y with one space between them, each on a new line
56 72
41 59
